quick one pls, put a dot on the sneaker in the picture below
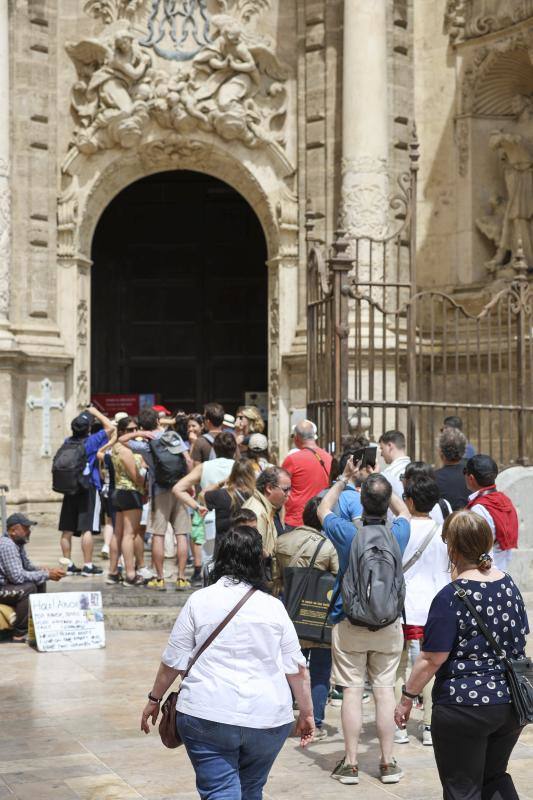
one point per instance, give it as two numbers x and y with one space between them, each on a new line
104 552
427 739
196 579
156 583
335 698
366 698
400 736
182 584
345 773
390 773
136 581
73 570
88 572
145 573
320 734
114 580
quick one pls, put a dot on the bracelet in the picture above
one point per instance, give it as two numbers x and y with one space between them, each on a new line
153 699
409 694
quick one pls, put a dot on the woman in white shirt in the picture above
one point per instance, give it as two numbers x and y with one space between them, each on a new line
426 571
234 709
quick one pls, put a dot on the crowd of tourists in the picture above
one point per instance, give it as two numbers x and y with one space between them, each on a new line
345 579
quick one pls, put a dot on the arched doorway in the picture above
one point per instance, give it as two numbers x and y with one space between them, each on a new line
179 293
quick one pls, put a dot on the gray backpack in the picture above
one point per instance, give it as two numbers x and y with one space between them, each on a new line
373 586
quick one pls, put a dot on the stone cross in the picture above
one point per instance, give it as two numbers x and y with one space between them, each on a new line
46 403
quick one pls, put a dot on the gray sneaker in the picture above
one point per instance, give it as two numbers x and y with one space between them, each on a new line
390 773
345 773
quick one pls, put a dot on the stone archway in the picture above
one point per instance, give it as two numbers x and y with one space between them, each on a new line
90 184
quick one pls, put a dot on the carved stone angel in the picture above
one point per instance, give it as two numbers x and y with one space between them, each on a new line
109 98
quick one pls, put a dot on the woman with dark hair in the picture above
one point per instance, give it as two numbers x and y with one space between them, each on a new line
234 710
474 726
226 498
207 475
442 508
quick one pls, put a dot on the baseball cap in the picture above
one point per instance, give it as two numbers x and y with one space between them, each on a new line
162 410
19 519
118 416
229 421
257 443
82 422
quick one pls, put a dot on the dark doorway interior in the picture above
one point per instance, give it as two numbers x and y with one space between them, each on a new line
179 293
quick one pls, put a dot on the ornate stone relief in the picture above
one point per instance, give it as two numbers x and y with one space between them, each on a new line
510 221
83 312
233 86
112 10
365 197
82 388
469 19
461 140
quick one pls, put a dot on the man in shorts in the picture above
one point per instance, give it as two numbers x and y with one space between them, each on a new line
80 512
357 651
165 507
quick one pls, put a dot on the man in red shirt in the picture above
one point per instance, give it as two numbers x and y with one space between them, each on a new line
309 469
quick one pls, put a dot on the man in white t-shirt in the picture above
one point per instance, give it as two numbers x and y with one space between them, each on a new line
426 570
392 445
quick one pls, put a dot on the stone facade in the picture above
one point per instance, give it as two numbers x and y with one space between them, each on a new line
300 105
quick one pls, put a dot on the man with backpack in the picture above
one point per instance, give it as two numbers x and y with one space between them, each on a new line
366 612
76 475
213 421
164 453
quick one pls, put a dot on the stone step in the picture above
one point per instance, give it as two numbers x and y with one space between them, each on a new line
141 618
128 597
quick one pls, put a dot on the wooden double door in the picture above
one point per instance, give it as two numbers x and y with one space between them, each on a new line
179 293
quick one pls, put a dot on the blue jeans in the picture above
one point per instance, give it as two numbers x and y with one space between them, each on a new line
319 659
230 762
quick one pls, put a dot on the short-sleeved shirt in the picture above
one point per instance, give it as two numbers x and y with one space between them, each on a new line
219 500
309 469
472 675
452 486
350 503
92 445
142 447
342 533
201 449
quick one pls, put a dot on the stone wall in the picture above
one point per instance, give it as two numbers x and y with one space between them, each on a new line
517 483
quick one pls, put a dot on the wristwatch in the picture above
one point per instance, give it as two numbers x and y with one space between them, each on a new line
343 479
153 699
409 694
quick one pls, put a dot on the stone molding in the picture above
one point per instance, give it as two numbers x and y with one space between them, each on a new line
5 238
470 19
365 200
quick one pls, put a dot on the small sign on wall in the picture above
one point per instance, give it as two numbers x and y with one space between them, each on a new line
67 621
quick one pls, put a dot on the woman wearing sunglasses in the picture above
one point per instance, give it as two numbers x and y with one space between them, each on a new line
127 499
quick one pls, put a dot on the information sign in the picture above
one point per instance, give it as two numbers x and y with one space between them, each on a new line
68 621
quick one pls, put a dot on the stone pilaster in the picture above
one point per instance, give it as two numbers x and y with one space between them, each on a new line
5 190
365 135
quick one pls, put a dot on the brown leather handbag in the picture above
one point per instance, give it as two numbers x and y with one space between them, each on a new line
167 727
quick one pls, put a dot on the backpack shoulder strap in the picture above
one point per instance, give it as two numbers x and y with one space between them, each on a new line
445 511
418 552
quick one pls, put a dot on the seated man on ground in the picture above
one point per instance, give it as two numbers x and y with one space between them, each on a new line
18 576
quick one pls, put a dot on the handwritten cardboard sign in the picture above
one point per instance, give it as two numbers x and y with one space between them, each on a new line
68 621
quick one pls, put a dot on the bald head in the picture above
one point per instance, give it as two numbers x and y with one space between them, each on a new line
304 433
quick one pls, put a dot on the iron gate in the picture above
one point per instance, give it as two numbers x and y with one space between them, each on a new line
388 356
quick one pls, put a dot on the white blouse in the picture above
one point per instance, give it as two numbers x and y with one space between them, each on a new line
428 575
240 678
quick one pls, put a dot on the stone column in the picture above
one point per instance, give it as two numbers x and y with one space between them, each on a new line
365 138
5 195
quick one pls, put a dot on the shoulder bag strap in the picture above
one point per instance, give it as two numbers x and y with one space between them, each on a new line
418 552
444 509
461 593
318 458
300 550
211 638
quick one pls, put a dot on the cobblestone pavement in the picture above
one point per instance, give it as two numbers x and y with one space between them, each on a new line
70 730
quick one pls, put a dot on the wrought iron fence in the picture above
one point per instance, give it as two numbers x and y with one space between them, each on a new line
389 356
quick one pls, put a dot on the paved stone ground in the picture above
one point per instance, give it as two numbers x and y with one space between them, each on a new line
70 730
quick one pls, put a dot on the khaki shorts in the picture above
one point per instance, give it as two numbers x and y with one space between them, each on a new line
357 651
167 508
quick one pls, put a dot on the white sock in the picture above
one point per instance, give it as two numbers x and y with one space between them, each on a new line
89 564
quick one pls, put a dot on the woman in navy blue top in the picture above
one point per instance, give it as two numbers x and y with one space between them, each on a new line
474 725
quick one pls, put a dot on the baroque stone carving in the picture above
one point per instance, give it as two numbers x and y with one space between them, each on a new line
510 223
112 10
82 388
461 140
171 42
83 312
234 87
472 18
5 238
365 201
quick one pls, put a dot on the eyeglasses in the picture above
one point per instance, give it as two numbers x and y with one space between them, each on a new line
131 430
284 489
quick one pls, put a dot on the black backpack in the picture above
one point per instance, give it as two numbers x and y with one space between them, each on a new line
68 467
169 467
373 586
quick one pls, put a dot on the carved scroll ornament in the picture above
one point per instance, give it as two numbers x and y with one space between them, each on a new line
469 19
